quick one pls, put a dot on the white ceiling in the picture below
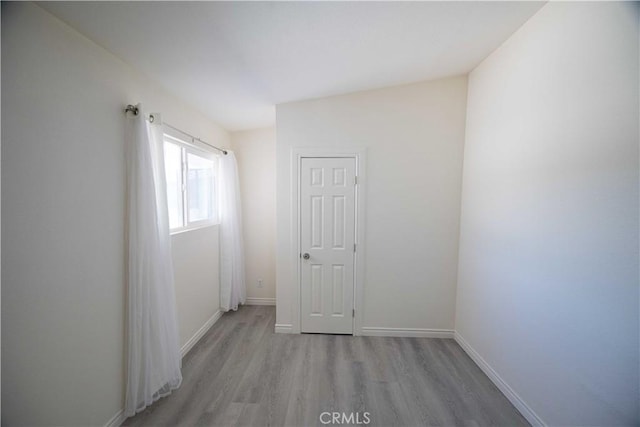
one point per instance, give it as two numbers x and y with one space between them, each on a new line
235 61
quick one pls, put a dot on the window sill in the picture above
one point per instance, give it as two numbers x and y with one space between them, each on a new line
193 228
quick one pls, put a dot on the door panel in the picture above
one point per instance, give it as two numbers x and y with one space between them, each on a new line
327 234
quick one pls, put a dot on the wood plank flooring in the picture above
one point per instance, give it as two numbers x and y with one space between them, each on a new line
243 374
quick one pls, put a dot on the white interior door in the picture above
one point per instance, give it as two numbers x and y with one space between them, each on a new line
327 244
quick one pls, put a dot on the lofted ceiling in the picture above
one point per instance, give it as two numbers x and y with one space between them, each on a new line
235 61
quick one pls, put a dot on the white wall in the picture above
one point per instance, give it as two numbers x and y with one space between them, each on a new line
63 182
548 277
197 278
414 137
256 154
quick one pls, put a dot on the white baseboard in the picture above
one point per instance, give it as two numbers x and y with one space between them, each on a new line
284 328
513 397
406 332
116 420
200 333
261 301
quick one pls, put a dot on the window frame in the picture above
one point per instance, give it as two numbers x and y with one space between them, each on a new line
187 148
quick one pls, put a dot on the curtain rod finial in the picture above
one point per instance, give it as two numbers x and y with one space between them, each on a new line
131 108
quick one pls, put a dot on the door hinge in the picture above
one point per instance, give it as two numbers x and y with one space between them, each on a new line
353 313
354 247
355 180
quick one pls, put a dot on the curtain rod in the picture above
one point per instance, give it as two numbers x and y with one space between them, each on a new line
133 109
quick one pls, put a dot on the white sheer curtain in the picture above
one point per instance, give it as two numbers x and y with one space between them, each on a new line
154 359
232 286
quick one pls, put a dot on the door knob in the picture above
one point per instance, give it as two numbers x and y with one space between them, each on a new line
306 256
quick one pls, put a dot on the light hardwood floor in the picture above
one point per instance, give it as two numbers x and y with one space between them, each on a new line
243 374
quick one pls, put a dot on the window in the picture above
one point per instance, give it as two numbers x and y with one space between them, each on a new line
191 185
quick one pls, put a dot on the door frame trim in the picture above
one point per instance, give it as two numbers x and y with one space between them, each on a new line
360 154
